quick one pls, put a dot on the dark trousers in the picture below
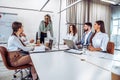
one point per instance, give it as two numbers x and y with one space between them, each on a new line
42 37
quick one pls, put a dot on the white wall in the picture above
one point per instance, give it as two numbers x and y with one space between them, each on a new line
31 19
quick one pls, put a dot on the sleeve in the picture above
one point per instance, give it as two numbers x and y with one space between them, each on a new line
81 41
51 29
26 42
40 28
75 38
20 45
104 42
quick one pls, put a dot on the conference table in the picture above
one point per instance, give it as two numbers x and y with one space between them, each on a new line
62 65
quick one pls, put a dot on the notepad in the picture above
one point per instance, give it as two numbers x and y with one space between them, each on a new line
38 49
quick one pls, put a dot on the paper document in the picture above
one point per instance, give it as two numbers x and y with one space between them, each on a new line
74 51
39 48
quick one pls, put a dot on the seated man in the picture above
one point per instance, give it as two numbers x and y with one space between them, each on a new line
86 35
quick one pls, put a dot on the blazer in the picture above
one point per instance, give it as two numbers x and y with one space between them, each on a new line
83 38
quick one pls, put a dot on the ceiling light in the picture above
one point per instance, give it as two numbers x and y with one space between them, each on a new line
108 1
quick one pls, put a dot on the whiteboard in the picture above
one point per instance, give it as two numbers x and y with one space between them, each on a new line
6 20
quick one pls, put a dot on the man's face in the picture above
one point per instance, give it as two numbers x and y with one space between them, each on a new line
85 28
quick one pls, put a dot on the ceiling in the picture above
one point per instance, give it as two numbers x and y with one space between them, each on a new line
114 2
24 4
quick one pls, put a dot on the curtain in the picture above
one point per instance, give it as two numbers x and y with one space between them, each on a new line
100 11
77 15
88 10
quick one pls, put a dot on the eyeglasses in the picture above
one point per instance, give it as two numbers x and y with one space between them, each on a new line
46 18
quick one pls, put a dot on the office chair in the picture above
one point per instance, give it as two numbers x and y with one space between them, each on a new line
115 76
110 47
4 53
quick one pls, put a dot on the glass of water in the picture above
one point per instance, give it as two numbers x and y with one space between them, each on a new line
84 49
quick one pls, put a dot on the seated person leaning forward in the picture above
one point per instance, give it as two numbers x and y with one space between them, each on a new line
100 39
86 35
15 44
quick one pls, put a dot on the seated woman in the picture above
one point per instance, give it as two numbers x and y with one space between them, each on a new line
15 44
72 34
100 39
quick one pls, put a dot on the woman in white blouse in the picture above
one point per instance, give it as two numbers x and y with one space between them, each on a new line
100 39
72 33
15 44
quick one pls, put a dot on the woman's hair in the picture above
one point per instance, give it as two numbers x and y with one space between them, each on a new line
15 27
48 16
102 27
74 29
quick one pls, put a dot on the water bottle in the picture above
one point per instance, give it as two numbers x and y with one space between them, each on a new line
38 41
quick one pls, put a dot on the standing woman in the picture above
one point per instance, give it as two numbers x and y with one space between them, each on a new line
15 44
45 26
72 33
100 39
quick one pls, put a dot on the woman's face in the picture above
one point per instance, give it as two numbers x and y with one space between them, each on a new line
96 26
71 28
21 30
47 19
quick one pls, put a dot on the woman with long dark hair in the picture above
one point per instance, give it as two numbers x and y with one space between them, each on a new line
72 33
15 44
99 39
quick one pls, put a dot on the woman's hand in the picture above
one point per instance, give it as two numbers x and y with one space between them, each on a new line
91 48
32 40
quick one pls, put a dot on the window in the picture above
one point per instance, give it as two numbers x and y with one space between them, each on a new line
115 32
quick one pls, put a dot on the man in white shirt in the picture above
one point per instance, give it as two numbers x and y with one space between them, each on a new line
86 35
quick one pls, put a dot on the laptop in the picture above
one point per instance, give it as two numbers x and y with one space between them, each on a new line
70 44
72 47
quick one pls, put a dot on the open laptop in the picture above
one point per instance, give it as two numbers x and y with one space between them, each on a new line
70 44
72 47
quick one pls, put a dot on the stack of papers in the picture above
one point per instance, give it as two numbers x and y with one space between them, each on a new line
39 48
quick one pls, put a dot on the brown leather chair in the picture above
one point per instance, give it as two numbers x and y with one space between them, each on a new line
4 53
110 47
115 76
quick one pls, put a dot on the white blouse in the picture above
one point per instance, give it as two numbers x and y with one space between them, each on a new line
14 44
71 37
100 40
